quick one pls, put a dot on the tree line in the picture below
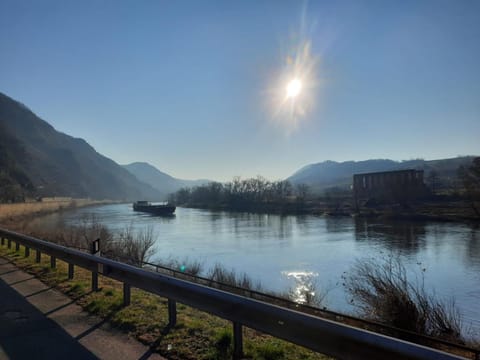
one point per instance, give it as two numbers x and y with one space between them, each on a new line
470 177
244 194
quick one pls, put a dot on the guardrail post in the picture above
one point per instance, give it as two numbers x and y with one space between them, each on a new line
53 262
322 335
94 281
237 341
9 243
17 246
38 256
172 313
70 271
27 251
126 294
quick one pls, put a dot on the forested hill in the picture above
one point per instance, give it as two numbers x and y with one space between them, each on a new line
13 181
37 160
327 174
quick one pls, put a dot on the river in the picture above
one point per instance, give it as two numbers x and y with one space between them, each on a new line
289 252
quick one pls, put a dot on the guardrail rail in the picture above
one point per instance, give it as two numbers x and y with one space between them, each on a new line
322 335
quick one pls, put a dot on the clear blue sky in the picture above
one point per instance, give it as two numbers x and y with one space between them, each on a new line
186 85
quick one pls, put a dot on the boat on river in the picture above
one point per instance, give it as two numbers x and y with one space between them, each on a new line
155 209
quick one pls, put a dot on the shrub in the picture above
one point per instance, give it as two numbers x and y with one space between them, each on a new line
132 246
187 266
222 275
382 292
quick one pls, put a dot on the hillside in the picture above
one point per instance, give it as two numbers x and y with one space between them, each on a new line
329 174
56 164
159 180
14 183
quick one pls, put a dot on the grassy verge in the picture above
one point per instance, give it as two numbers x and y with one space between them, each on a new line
197 335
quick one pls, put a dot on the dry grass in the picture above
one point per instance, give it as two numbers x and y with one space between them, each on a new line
8 211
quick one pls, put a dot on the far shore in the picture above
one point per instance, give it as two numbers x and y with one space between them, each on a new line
449 211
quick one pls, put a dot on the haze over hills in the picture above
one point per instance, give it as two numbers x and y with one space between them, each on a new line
164 183
38 160
327 174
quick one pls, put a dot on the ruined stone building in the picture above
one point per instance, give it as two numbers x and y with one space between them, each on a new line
398 186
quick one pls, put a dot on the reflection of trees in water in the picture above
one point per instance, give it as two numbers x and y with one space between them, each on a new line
215 220
264 225
302 220
404 236
461 239
338 224
216 215
472 250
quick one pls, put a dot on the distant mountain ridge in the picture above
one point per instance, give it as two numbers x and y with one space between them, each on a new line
327 174
57 164
37 160
159 180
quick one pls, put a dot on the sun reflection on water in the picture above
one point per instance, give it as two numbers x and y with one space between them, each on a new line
305 289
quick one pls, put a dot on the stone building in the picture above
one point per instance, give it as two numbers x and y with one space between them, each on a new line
398 186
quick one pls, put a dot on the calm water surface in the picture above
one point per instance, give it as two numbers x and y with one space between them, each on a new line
287 252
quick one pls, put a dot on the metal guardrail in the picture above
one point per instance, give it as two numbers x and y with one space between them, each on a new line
321 335
380 328
318 312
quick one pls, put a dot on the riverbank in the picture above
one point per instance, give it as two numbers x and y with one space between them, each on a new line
16 211
451 211
197 335
288 208
439 211
303 233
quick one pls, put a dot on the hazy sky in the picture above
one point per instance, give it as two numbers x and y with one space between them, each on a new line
192 86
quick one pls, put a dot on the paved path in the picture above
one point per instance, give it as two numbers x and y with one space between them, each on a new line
38 322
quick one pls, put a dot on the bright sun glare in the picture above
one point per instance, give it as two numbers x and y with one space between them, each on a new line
293 88
293 93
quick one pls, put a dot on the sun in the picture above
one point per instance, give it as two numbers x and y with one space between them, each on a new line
294 87
293 94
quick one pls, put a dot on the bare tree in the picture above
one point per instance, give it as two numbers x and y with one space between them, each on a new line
302 191
432 179
133 246
470 177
